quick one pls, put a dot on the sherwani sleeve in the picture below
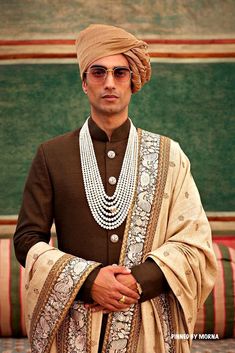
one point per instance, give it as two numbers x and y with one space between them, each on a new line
36 213
185 254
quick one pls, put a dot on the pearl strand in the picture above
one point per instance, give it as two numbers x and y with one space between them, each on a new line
108 211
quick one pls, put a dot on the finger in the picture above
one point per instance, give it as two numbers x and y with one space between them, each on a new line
97 308
89 306
116 307
128 292
128 301
120 269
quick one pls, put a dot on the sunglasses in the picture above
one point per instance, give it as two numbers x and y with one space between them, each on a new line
98 74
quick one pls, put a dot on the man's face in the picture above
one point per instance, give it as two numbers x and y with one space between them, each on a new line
109 97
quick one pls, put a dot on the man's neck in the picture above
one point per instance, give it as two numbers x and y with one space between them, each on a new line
109 123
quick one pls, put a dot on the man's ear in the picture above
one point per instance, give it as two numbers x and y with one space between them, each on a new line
84 86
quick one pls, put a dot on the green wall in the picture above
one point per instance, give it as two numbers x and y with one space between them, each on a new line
27 18
191 103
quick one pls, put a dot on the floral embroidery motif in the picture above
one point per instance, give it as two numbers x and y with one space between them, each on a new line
148 172
58 297
73 330
163 307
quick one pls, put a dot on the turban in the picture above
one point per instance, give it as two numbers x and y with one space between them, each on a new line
98 41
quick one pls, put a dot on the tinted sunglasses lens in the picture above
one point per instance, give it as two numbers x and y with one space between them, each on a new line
121 74
97 73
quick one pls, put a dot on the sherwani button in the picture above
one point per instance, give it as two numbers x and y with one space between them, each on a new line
114 238
111 154
112 180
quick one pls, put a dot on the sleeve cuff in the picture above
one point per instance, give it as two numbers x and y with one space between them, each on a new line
151 279
84 293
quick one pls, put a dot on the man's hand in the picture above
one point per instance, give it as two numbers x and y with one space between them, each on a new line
128 281
107 290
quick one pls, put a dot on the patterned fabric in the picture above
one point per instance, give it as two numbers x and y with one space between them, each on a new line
218 313
11 345
52 281
11 283
121 323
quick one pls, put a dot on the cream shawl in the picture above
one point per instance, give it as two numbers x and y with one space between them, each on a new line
167 223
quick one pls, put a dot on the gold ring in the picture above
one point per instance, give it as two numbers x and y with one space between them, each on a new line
122 299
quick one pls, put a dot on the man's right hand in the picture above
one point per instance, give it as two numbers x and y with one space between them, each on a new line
107 290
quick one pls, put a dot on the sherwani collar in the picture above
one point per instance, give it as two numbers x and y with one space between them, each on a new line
119 134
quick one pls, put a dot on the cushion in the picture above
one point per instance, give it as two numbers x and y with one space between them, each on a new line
14 345
11 304
217 314
11 292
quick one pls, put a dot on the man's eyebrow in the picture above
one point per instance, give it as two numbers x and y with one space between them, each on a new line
104 67
114 67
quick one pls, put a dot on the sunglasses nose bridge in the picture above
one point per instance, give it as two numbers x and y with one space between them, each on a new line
109 70
107 74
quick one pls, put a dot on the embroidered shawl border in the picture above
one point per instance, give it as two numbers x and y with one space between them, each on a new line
123 328
69 272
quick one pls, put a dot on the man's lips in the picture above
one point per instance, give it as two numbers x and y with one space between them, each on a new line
109 96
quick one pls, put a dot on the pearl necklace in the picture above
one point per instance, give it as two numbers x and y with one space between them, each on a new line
108 211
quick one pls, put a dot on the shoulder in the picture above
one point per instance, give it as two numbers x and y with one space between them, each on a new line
62 139
61 143
171 148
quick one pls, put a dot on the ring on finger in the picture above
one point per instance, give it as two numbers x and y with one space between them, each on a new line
122 300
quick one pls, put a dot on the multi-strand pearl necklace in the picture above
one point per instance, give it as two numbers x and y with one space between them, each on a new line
108 211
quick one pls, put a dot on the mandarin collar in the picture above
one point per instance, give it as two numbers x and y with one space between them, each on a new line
121 133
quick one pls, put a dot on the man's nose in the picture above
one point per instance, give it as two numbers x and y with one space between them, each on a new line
109 80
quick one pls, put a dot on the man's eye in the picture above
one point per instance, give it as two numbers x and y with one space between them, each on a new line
121 72
98 72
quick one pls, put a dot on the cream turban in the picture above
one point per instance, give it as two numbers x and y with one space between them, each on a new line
98 41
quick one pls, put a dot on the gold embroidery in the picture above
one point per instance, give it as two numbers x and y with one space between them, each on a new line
154 209
46 295
163 166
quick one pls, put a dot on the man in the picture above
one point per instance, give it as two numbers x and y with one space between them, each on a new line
135 260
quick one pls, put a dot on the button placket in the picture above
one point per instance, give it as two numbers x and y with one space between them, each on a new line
114 238
110 161
112 180
111 154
